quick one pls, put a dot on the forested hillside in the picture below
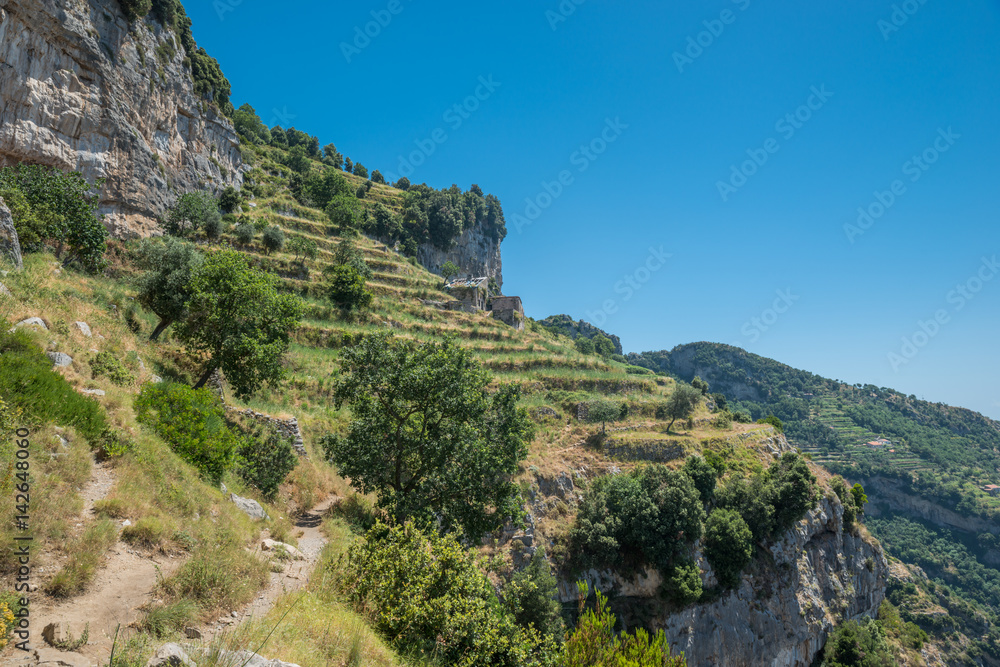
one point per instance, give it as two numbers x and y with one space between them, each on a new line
933 459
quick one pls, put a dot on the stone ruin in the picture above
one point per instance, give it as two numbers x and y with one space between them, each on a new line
472 295
508 309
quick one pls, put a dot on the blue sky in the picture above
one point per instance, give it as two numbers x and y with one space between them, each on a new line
739 138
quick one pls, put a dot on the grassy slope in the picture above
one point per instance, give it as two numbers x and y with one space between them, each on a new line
175 512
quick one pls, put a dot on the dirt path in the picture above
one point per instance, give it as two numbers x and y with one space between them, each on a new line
296 574
121 586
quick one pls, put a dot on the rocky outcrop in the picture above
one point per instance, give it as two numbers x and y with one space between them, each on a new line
475 252
82 90
782 611
10 247
890 494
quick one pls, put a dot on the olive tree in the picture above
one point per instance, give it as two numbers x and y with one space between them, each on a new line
165 287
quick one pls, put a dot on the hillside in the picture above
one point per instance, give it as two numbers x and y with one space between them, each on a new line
190 411
924 466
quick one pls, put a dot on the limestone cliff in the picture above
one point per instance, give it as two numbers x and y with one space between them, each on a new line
80 89
476 252
890 494
782 611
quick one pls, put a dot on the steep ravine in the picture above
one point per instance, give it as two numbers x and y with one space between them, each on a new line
81 90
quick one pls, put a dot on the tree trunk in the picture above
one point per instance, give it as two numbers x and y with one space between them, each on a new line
671 424
208 373
164 323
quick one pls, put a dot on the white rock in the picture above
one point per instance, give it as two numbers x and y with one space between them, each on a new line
249 506
93 392
83 328
59 359
273 545
170 655
31 322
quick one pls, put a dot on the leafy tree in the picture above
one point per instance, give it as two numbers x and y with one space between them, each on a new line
603 345
703 474
273 239
344 213
303 248
449 270
248 125
330 153
427 437
700 385
239 321
532 598
584 345
403 183
192 422
279 138
312 147
858 644
348 165
728 545
429 597
680 405
348 254
298 160
321 187
230 199
795 491
245 233
377 177
602 411
752 499
623 411
165 287
384 223
347 289
192 212
594 642
773 421
61 211
859 497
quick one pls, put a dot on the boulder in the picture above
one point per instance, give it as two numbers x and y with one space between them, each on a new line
55 633
192 633
4 291
93 392
249 506
31 322
170 655
60 359
83 328
10 247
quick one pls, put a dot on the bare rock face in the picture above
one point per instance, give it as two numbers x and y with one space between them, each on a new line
10 247
82 90
475 252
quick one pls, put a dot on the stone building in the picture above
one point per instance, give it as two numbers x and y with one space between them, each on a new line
509 310
470 294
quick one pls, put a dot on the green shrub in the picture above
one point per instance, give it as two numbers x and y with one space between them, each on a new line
531 596
192 212
683 586
427 595
772 501
39 393
648 516
192 422
149 532
594 642
858 643
106 363
723 420
742 417
245 233
728 545
703 474
347 289
264 459
162 619
773 421
113 443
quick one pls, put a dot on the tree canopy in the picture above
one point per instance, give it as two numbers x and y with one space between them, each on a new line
239 321
427 437
165 287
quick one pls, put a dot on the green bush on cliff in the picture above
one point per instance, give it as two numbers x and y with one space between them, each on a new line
728 545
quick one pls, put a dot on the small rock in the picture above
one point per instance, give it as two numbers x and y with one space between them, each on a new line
31 322
192 633
273 545
249 506
170 655
59 359
234 614
83 328
4 291
222 486
56 632
156 379
93 392
126 523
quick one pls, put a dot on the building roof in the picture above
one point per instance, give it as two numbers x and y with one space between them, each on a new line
468 282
